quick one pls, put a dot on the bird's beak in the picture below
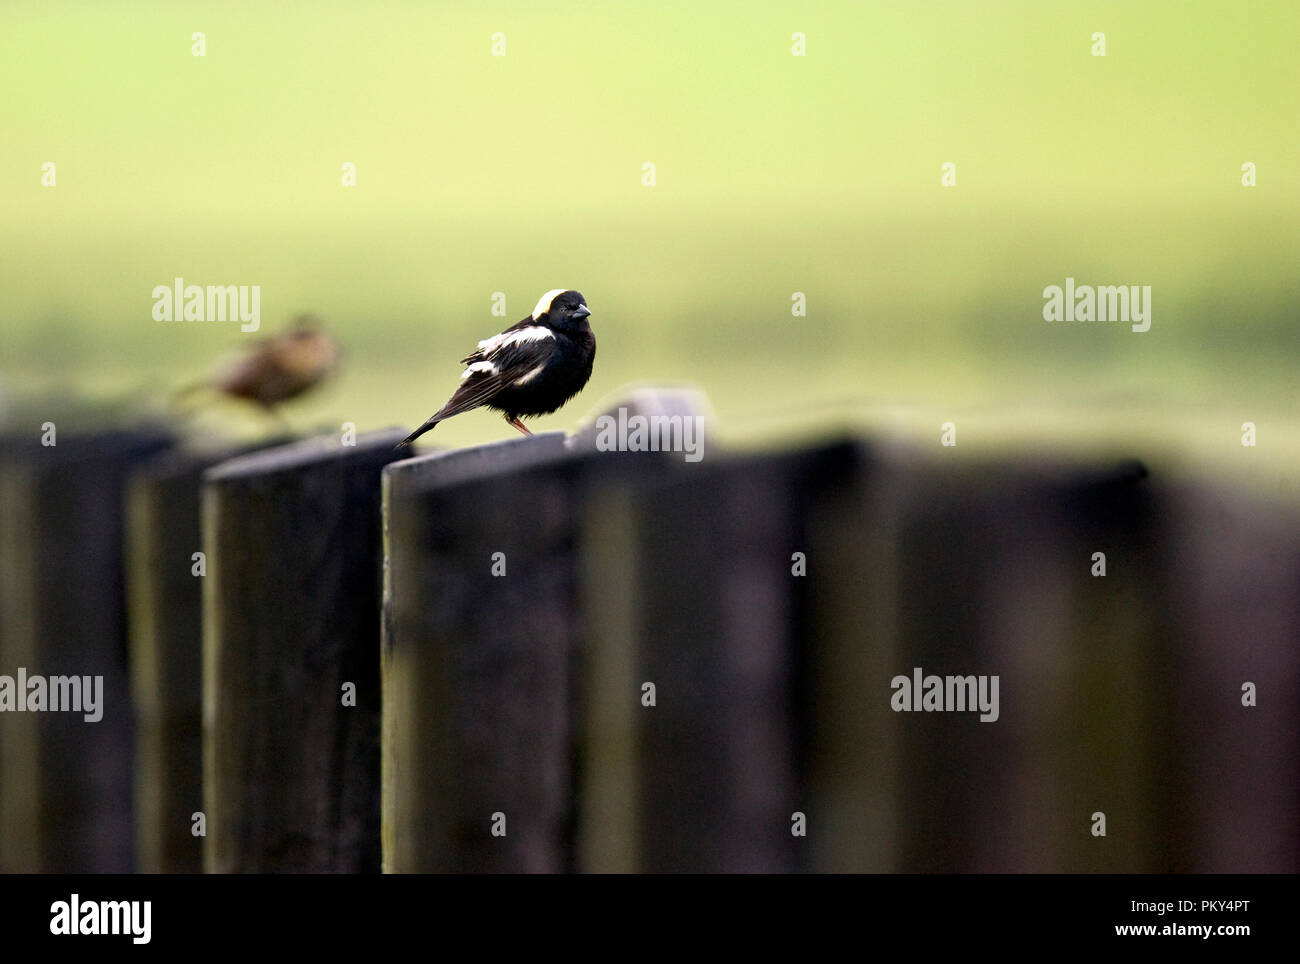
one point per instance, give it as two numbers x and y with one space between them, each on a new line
581 312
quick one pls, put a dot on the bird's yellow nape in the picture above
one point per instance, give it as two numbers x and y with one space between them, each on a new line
544 302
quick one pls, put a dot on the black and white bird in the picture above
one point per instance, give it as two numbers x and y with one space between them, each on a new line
531 368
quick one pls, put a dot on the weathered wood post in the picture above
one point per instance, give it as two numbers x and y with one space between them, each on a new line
993 584
291 697
1230 568
848 631
479 635
609 689
484 642
65 782
165 569
695 675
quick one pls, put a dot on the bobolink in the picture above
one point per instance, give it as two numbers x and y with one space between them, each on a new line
531 368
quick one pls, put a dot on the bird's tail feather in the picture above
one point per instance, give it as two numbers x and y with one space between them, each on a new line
427 426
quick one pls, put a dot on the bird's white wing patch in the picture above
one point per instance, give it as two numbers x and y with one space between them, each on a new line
544 302
531 375
479 366
489 345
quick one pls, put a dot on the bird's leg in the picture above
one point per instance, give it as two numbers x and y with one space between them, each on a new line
514 420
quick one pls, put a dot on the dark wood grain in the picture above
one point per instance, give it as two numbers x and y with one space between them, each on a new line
165 603
291 613
65 784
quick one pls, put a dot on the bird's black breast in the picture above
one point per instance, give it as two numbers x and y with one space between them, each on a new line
564 374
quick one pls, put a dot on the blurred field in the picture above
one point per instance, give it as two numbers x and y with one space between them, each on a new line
776 174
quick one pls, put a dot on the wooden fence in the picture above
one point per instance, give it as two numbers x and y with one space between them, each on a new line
542 656
66 784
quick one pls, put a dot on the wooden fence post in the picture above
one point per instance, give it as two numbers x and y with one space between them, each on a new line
164 572
1230 567
478 640
992 580
484 645
848 627
695 687
291 698
65 783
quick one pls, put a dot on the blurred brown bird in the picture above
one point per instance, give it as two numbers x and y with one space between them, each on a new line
278 368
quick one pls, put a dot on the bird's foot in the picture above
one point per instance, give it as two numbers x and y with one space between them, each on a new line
519 425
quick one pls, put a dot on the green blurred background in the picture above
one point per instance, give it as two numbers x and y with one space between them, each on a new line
775 174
